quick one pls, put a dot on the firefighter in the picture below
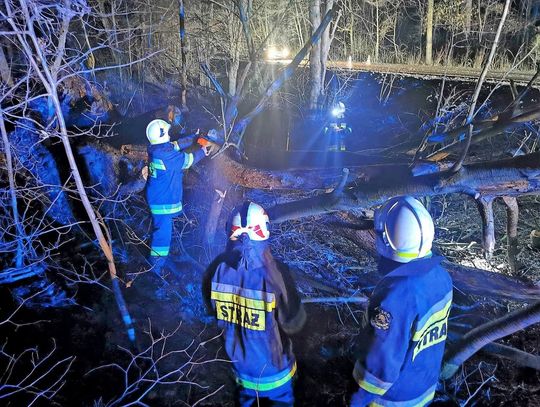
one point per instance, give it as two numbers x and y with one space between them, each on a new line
407 318
337 130
166 162
255 302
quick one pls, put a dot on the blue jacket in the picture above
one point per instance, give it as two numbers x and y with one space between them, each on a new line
166 163
256 304
408 325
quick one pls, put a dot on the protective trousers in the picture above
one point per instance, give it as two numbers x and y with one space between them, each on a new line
279 397
162 226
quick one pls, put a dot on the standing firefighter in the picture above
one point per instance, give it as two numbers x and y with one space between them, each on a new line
255 301
407 313
337 131
166 163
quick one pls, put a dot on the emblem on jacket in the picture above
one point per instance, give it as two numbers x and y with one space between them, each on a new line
380 319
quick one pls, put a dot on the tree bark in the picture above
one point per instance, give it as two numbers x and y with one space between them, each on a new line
512 216
183 51
5 70
315 67
485 207
326 41
429 33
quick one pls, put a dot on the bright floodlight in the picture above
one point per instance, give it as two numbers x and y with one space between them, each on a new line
338 110
273 52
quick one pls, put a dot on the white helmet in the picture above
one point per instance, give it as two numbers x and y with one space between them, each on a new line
404 230
251 219
157 132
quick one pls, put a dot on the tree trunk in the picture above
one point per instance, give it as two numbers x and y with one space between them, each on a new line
429 33
5 70
19 231
326 41
315 68
479 337
183 51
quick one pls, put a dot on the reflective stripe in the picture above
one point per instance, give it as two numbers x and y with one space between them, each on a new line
188 161
158 164
243 301
369 382
166 209
409 255
268 383
159 251
436 313
176 146
420 401
245 292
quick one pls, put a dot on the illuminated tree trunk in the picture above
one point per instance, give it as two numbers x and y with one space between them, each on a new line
5 70
429 33
315 67
183 51
485 207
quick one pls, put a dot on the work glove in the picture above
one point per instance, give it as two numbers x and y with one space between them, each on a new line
210 142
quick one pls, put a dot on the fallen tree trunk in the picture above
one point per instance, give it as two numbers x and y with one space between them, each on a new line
509 177
515 355
480 336
469 280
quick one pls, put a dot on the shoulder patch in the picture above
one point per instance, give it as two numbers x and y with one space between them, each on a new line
381 319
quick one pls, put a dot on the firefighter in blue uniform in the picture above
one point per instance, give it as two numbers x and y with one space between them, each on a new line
407 318
337 131
166 163
255 302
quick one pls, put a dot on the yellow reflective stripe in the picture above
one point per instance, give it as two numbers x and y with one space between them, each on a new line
420 401
188 161
158 164
166 209
437 316
426 400
361 375
371 388
409 255
243 301
257 386
160 251
244 292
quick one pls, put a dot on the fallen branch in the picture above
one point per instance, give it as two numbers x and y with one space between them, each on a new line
515 355
489 332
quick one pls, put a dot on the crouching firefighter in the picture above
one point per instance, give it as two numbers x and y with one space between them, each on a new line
166 163
255 302
407 318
